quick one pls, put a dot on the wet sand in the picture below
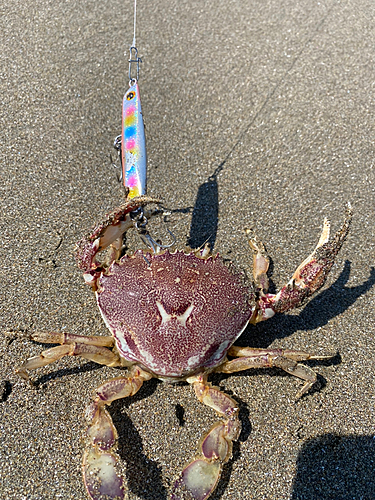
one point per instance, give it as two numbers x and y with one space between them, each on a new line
259 114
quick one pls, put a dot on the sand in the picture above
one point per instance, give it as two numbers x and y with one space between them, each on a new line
259 114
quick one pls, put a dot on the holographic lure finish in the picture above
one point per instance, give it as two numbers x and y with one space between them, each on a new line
133 143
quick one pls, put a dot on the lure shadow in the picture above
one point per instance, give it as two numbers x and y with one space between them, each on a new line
333 466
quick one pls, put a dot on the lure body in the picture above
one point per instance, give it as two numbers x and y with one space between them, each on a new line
133 144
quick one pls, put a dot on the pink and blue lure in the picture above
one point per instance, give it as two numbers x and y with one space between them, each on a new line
133 143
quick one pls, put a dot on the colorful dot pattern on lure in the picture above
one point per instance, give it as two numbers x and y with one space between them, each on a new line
133 144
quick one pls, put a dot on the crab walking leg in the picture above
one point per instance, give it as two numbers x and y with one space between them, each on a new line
98 354
286 359
199 478
71 338
308 277
99 473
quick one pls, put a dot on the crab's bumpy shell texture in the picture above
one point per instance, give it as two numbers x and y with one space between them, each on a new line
174 313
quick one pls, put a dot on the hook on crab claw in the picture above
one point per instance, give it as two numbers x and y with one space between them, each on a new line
140 222
149 241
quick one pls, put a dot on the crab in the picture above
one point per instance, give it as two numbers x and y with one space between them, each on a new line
175 316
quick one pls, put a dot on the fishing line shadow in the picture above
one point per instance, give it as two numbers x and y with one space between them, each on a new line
204 222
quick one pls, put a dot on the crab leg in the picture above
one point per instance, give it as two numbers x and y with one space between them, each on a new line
286 359
100 458
308 278
91 348
71 338
199 478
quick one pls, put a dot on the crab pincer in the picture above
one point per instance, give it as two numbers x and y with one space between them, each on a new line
199 478
99 462
109 233
309 276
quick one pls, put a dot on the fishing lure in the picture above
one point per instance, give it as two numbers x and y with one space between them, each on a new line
131 148
133 140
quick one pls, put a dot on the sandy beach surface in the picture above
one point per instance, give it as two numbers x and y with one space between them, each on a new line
258 114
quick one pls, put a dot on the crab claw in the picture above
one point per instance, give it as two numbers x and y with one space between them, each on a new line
197 481
308 278
108 232
100 477
199 478
99 461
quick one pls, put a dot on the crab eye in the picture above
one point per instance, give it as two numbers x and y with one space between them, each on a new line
130 96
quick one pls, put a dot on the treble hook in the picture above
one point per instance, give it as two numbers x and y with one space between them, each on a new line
149 241
140 221
117 146
117 143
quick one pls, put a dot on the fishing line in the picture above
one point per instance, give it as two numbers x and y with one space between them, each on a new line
135 21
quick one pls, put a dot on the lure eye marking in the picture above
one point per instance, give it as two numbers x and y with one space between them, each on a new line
130 96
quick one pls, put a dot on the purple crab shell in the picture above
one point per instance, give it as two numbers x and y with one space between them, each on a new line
174 313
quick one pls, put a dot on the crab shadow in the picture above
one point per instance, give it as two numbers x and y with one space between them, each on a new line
333 466
43 380
143 475
139 466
